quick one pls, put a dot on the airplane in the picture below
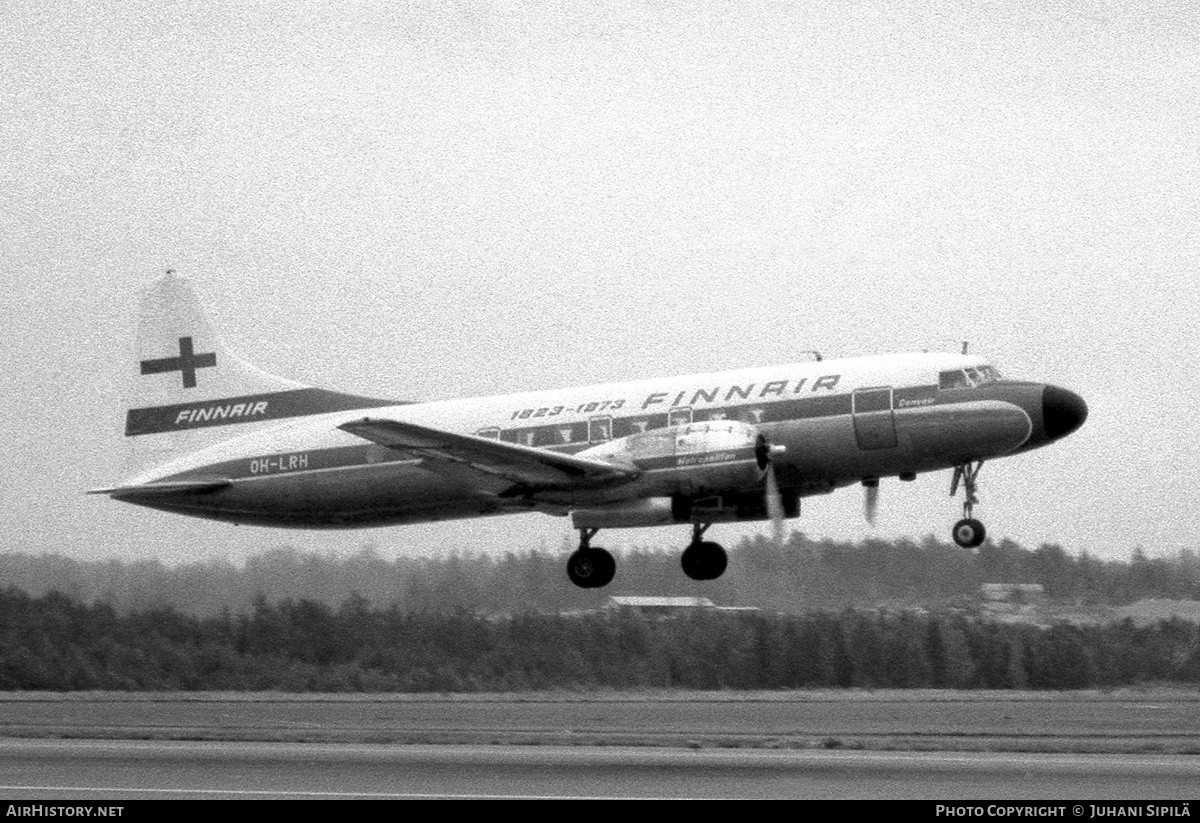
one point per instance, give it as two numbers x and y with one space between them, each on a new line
213 436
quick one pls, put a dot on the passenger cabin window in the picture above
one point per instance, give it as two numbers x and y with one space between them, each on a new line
490 434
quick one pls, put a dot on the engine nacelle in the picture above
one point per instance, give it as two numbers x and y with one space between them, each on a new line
662 511
691 461
734 508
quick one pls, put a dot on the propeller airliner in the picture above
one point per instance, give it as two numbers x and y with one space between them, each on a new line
213 436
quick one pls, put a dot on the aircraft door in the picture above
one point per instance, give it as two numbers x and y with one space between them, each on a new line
600 429
679 416
874 420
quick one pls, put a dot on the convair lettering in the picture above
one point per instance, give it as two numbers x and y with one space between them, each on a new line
189 417
707 397
740 392
657 397
826 382
775 387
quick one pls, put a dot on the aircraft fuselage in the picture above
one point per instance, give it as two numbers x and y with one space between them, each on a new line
840 421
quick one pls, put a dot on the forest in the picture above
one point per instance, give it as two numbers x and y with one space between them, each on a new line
796 576
873 614
54 643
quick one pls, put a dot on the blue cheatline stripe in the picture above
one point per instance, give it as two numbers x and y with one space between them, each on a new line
249 408
278 464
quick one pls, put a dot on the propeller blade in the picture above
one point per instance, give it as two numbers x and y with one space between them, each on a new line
870 504
774 506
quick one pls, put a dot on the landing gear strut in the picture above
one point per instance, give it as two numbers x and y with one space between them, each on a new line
703 560
590 568
968 533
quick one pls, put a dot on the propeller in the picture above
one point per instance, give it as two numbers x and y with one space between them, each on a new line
870 499
774 506
764 452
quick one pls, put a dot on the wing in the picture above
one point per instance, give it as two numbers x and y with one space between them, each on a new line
531 469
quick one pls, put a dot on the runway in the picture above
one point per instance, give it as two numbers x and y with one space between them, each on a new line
1161 722
131 770
1133 745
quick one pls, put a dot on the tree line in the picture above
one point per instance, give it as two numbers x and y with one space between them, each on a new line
796 576
52 642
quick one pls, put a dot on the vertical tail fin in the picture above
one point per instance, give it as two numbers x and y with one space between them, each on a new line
180 358
186 386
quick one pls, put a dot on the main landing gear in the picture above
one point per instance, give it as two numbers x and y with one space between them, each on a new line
703 560
968 532
591 568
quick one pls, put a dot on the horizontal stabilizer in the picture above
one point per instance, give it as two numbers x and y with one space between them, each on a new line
165 487
530 467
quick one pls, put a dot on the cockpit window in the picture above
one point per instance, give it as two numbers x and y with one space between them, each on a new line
966 378
956 379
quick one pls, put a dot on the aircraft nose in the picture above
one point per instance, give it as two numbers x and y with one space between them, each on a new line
1062 411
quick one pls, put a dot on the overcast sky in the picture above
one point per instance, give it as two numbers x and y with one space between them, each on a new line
433 200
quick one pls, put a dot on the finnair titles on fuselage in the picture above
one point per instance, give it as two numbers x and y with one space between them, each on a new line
696 450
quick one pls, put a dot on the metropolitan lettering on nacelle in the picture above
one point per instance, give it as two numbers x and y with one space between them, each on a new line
204 413
282 463
705 459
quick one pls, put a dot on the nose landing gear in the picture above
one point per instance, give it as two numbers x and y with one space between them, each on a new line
968 533
590 568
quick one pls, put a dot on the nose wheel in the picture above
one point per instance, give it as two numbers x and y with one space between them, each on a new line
968 533
588 567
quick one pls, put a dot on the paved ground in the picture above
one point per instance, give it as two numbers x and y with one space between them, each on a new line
1151 721
83 770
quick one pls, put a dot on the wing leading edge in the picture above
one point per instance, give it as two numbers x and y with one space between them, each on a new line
530 468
